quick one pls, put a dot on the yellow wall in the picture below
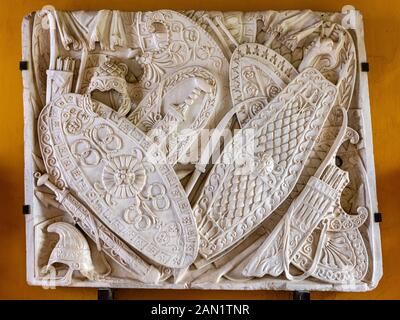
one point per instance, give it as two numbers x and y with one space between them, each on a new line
382 21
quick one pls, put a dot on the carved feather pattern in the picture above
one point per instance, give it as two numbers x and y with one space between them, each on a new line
281 139
291 116
325 141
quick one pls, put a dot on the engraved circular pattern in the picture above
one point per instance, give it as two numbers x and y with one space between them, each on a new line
121 177
124 176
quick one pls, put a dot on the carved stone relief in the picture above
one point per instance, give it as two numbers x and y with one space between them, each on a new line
213 150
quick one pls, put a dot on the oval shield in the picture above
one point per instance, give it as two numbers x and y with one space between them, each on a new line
262 163
121 176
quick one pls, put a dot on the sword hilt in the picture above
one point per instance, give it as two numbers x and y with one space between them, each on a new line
43 180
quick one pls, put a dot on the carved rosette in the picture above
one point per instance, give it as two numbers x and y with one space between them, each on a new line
124 176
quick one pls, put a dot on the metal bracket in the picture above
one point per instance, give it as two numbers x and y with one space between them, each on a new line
105 294
378 217
301 295
23 65
26 209
364 66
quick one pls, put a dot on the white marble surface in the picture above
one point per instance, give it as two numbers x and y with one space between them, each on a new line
210 150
